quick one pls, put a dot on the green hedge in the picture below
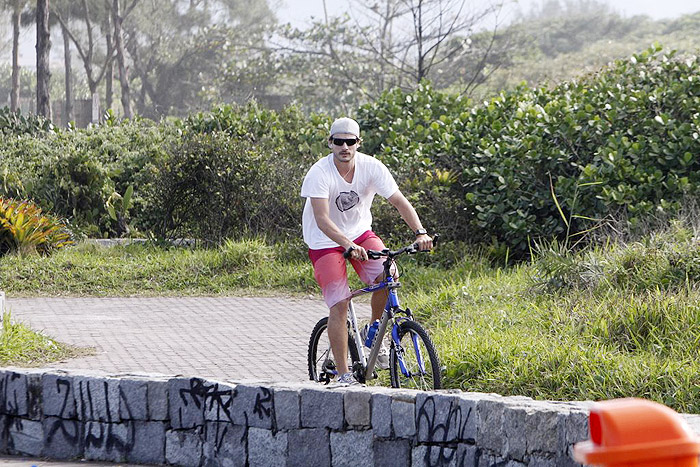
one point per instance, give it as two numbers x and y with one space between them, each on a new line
622 142
534 163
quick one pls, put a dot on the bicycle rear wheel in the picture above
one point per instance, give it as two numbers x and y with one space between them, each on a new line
414 362
321 362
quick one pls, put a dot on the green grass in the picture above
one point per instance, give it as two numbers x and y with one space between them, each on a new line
20 346
91 270
598 324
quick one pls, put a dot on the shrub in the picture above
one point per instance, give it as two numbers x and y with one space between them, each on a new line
214 187
25 229
15 123
245 253
619 142
73 184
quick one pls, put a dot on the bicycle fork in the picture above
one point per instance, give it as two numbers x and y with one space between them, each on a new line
399 352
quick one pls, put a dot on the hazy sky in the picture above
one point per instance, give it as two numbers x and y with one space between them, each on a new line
297 11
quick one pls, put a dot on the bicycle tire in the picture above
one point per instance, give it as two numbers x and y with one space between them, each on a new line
319 356
416 379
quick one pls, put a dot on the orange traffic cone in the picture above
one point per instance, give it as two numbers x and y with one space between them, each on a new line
637 433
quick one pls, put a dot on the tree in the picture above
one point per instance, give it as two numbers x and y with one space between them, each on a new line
118 19
179 60
95 60
43 48
380 45
66 7
17 6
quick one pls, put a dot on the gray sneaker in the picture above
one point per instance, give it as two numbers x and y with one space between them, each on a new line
383 357
348 379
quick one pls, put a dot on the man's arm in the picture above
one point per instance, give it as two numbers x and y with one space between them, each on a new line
409 215
328 227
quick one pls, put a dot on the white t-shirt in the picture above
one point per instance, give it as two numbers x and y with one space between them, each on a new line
348 203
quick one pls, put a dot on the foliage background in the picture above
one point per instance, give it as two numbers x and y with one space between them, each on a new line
528 164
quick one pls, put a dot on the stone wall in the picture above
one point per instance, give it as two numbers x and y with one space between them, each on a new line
191 422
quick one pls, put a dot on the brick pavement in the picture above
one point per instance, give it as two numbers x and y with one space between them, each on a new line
239 338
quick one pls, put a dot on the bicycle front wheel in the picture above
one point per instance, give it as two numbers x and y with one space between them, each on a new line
322 367
414 363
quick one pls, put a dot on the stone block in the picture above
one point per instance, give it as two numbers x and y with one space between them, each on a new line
133 403
63 439
186 401
183 447
286 409
392 452
530 429
489 459
542 461
34 399
381 415
3 433
13 394
97 399
149 443
573 427
467 409
108 441
252 406
58 396
322 408
310 447
158 401
218 402
435 455
466 455
352 449
224 444
265 448
490 415
25 436
403 419
439 418
357 408
693 422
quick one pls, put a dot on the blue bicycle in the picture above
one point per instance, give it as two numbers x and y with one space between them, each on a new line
413 361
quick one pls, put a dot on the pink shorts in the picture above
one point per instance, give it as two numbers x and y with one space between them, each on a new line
331 274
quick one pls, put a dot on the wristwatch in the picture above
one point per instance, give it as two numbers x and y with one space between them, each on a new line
421 232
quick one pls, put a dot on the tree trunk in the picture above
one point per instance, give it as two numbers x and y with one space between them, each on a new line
69 84
123 78
419 37
14 95
43 48
109 76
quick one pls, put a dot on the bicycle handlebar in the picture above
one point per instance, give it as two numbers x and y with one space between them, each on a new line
410 249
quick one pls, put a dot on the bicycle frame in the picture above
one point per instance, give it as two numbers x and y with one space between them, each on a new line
392 304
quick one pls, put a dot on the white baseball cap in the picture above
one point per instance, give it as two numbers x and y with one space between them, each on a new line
345 125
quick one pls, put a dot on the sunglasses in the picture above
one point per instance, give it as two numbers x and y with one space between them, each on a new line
341 141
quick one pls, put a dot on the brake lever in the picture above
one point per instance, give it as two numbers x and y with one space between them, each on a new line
371 254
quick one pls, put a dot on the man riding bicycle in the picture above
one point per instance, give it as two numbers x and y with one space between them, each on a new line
339 190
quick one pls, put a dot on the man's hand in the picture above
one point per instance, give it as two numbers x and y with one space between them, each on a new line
424 242
356 252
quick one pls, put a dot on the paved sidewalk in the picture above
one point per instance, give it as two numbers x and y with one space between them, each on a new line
263 339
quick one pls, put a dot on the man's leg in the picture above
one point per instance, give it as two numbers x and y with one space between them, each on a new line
330 273
379 300
338 335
